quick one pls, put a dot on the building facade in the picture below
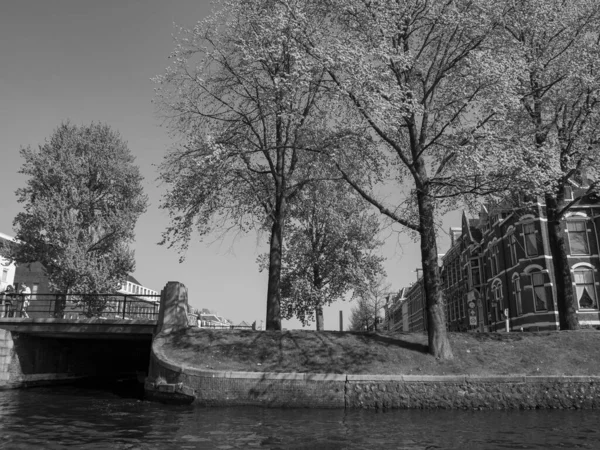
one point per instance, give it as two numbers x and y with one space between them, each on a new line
395 317
7 270
498 272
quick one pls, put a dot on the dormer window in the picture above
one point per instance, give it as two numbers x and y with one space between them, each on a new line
568 193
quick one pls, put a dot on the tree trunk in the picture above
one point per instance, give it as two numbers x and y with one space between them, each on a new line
273 321
318 283
566 301
319 317
439 346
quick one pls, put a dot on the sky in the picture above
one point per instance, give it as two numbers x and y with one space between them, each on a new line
92 61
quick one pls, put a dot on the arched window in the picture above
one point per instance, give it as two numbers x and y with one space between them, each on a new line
494 261
517 290
529 235
585 288
497 294
540 301
512 244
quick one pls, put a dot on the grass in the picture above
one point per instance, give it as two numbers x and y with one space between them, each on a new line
543 353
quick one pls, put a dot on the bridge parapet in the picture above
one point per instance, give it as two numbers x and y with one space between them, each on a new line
173 312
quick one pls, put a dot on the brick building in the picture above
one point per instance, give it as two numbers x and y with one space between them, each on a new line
499 267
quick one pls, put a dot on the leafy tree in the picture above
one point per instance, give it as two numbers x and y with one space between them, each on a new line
419 76
555 120
81 202
244 98
329 252
366 315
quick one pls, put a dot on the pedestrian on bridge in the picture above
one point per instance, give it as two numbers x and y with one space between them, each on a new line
6 301
26 295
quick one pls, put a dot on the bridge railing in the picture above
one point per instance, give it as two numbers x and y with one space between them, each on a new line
80 306
224 327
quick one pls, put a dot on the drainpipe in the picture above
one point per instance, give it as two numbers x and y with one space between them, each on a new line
507 309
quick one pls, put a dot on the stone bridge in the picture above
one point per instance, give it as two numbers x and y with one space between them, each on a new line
119 329
45 350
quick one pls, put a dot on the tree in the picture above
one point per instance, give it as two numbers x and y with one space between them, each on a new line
81 203
370 301
419 76
244 98
553 46
329 252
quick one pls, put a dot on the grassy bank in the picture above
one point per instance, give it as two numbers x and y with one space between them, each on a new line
544 353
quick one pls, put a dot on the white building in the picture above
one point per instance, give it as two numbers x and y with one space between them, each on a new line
7 271
133 287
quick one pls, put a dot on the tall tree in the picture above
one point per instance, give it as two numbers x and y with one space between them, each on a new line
244 98
81 203
330 252
554 47
369 303
419 76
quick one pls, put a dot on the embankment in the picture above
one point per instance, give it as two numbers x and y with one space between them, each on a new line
207 387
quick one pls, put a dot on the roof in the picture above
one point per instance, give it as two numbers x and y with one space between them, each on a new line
6 237
133 280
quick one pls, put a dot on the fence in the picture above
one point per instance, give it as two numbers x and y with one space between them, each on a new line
218 326
80 306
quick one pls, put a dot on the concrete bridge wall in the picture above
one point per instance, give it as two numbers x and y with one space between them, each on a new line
31 360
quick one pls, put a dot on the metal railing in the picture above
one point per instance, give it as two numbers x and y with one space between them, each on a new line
225 327
80 306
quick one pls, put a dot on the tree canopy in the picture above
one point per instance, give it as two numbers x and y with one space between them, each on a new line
81 202
242 96
369 303
420 77
554 53
330 252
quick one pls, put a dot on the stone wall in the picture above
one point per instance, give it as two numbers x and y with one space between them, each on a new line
464 392
215 388
378 392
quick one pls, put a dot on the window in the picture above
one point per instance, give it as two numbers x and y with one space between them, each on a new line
585 288
530 239
517 290
540 302
34 290
578 240
497 294
568 193
494 259
4 275
512 243
475 274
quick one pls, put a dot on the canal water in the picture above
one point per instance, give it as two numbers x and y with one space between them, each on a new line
80 418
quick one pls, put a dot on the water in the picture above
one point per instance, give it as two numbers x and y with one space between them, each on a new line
69 417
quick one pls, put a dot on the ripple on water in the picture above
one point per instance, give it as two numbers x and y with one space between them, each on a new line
64 417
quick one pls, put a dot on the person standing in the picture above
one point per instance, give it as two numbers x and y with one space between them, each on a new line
26 295
7 301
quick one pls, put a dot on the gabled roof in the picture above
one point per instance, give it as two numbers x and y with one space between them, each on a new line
133 280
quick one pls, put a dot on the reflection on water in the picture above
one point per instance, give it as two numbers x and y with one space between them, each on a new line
67 417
